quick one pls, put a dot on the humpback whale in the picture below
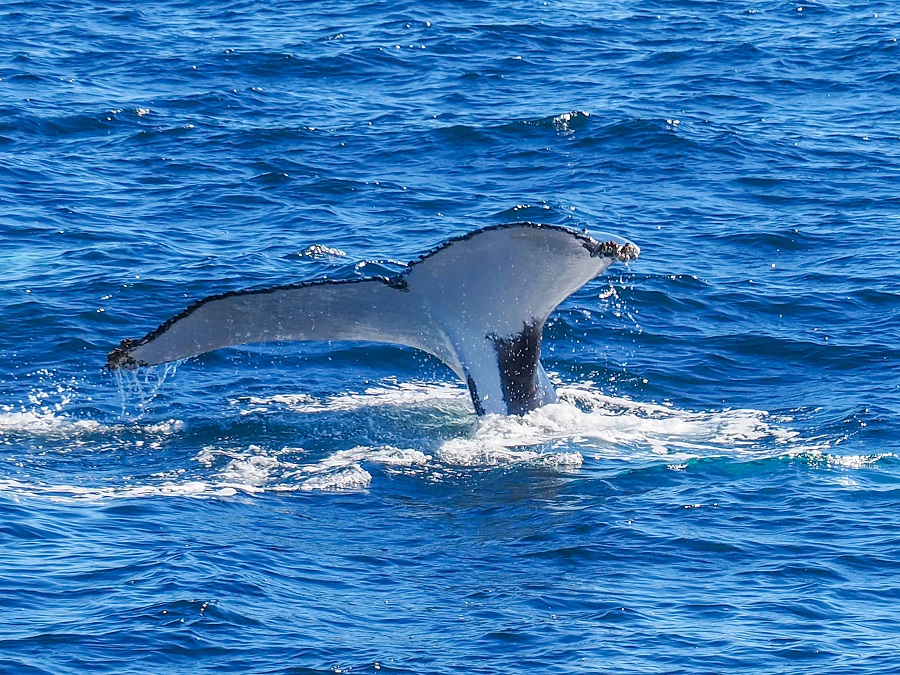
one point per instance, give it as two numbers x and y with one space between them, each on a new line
477 302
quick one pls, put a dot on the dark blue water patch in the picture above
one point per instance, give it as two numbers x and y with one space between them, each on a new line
495 598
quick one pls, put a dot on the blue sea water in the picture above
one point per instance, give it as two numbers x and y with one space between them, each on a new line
719 490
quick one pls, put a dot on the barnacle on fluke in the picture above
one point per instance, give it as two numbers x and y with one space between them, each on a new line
120 357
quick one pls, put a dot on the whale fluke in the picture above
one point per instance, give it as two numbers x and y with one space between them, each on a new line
476 302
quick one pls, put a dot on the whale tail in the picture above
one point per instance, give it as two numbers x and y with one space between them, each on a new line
477 302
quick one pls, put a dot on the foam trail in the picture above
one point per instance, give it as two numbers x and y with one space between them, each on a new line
585 427
390 393
43 423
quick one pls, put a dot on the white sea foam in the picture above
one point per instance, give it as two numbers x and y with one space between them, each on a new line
608 426
64 492
587 422
620 428
48 423
43 423
387 455
42 412
343 470
586 425
254 470
354 477
389 393
481 452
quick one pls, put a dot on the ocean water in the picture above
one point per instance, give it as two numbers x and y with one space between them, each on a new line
718 489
